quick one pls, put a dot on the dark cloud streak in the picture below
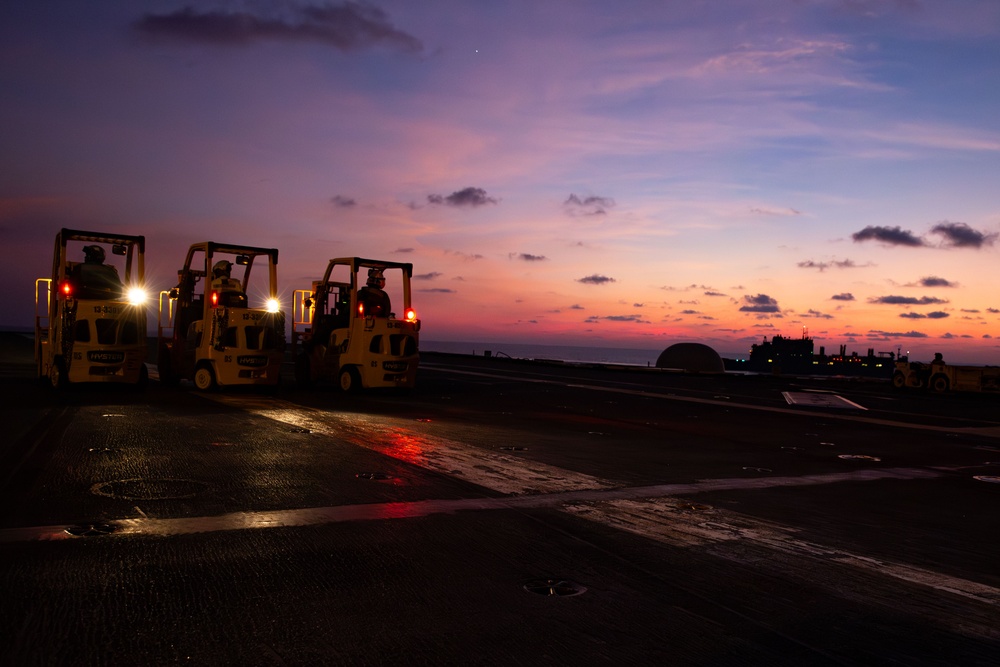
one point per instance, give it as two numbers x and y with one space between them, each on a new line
889 235
887 335
465 197
894 300
595 280
760 303
589 205
823 266
934 281
960 235
347 27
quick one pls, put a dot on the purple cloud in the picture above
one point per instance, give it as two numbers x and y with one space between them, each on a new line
886 335
823 266
589 205
961 235
934 281
616 318
888 235
347 27
893 300
760 303
596 280
465 197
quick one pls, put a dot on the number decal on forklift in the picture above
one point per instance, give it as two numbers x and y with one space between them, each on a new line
227 359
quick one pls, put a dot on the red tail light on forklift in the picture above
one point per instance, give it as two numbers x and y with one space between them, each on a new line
361 310
215 299
411 315
65 289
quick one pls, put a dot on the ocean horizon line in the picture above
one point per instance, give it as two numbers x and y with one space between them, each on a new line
632 356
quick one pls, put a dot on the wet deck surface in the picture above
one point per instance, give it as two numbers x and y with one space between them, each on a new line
503 513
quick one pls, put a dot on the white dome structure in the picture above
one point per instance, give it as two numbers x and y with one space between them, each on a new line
691 357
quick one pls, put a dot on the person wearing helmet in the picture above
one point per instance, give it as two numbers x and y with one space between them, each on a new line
229 289
372 299
94 278
93 254
222 270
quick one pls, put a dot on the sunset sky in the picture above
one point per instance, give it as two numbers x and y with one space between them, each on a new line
630 173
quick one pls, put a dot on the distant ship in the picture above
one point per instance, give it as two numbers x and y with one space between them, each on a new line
795 356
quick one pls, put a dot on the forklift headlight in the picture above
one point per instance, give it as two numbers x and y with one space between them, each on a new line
272 305
137 296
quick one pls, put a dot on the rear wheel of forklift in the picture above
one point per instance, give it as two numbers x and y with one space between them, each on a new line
204 378
939 384
350 380
303 371
898 380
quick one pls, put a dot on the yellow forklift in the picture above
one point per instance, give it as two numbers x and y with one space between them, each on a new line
346 330
90 316
941 378
218 329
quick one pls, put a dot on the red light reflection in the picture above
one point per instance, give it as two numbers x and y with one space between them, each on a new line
406 447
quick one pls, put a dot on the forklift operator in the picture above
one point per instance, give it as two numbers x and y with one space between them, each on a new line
229 289
95 279
372 298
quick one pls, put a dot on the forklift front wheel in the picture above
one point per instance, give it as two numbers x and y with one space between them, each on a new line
204 378
350 380
58 374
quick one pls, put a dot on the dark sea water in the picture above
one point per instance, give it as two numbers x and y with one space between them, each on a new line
605 355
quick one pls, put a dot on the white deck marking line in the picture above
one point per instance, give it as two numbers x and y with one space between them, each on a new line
646 511
988 431
672 521
312 516
820 400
